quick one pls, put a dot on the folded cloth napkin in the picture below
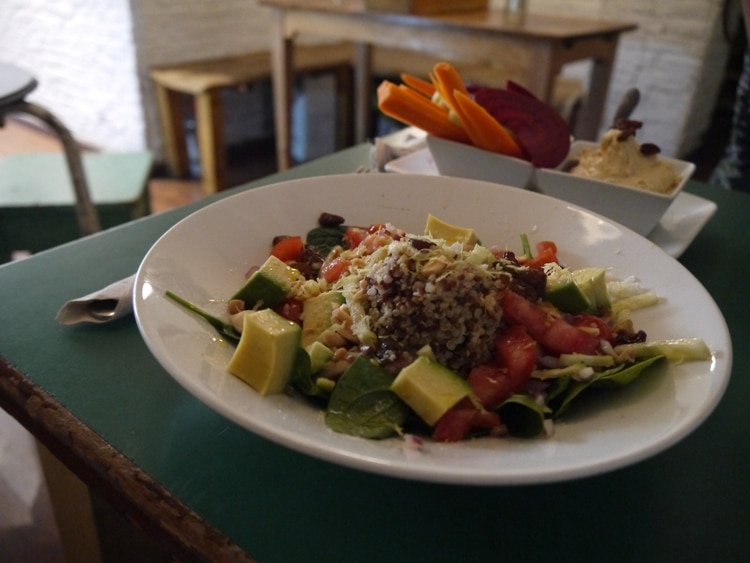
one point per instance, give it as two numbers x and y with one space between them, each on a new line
102 306
390 148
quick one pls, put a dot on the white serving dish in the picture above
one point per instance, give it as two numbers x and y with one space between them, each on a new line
635 208
638 209
465 161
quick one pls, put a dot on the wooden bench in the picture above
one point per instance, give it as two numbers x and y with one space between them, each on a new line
205 79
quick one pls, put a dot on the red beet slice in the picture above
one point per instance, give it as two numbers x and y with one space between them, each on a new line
540 131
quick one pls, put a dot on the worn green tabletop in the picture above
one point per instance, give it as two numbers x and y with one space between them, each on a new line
100 401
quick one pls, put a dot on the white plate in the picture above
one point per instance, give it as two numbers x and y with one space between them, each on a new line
677 228
204 258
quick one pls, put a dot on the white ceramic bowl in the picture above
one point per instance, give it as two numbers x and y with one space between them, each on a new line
204 258
465 161
638 209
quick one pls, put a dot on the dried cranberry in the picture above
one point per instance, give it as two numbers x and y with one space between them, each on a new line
649 149
330 220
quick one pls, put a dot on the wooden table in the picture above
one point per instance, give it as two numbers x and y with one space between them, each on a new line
209 490
533 51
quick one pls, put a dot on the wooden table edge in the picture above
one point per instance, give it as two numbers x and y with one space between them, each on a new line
129 489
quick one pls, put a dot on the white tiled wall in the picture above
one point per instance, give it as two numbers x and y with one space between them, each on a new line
92 58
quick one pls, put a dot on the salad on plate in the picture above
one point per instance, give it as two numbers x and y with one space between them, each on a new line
436 334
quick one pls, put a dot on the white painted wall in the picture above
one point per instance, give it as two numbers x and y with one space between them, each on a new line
92 59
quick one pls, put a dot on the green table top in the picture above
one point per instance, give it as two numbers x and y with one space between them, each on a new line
689 503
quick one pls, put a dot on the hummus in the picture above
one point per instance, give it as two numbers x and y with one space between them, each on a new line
621 161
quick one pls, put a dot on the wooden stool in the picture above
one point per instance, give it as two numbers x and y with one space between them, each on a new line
204 80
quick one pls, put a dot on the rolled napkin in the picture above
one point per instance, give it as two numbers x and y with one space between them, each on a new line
105 305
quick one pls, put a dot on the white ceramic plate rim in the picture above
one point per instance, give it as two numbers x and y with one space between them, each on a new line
204 258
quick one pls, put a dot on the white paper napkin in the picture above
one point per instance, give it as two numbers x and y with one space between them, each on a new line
105 305
389 148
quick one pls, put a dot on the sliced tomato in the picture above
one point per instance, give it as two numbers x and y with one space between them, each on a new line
290 309
454 425
353 236
516 358
516 352
288 249
594 326
555 334
375 241
521 311
564 338
546 252
333 270
461 419
490 384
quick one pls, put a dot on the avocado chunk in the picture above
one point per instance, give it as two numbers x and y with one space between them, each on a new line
429 388
593 283
316 315
437 228
577 291
319 353
265 355
268 285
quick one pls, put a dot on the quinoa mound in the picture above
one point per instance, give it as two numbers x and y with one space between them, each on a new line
416 292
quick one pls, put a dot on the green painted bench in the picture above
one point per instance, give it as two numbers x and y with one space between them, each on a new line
37 198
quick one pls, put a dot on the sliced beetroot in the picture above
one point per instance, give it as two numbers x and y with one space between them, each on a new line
516 87
540 131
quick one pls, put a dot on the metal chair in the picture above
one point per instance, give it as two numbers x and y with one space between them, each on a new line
15 85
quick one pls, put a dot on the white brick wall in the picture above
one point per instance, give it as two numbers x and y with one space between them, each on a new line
676 58
82 54
92 58
169 31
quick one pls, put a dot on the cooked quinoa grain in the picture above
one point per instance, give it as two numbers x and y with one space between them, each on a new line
418 291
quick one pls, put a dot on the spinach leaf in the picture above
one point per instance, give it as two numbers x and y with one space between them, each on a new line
324 239
618 376
226 330
362 403
627 375
522 416
302 376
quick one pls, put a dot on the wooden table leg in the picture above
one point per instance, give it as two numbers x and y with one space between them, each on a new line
173 129
344 106
71 505
281 72
362 92
593 109
210 130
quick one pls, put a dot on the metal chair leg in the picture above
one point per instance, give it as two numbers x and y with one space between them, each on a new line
86 213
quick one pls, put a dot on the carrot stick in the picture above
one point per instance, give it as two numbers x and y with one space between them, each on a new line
448 82
484 130
422 86
405 105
